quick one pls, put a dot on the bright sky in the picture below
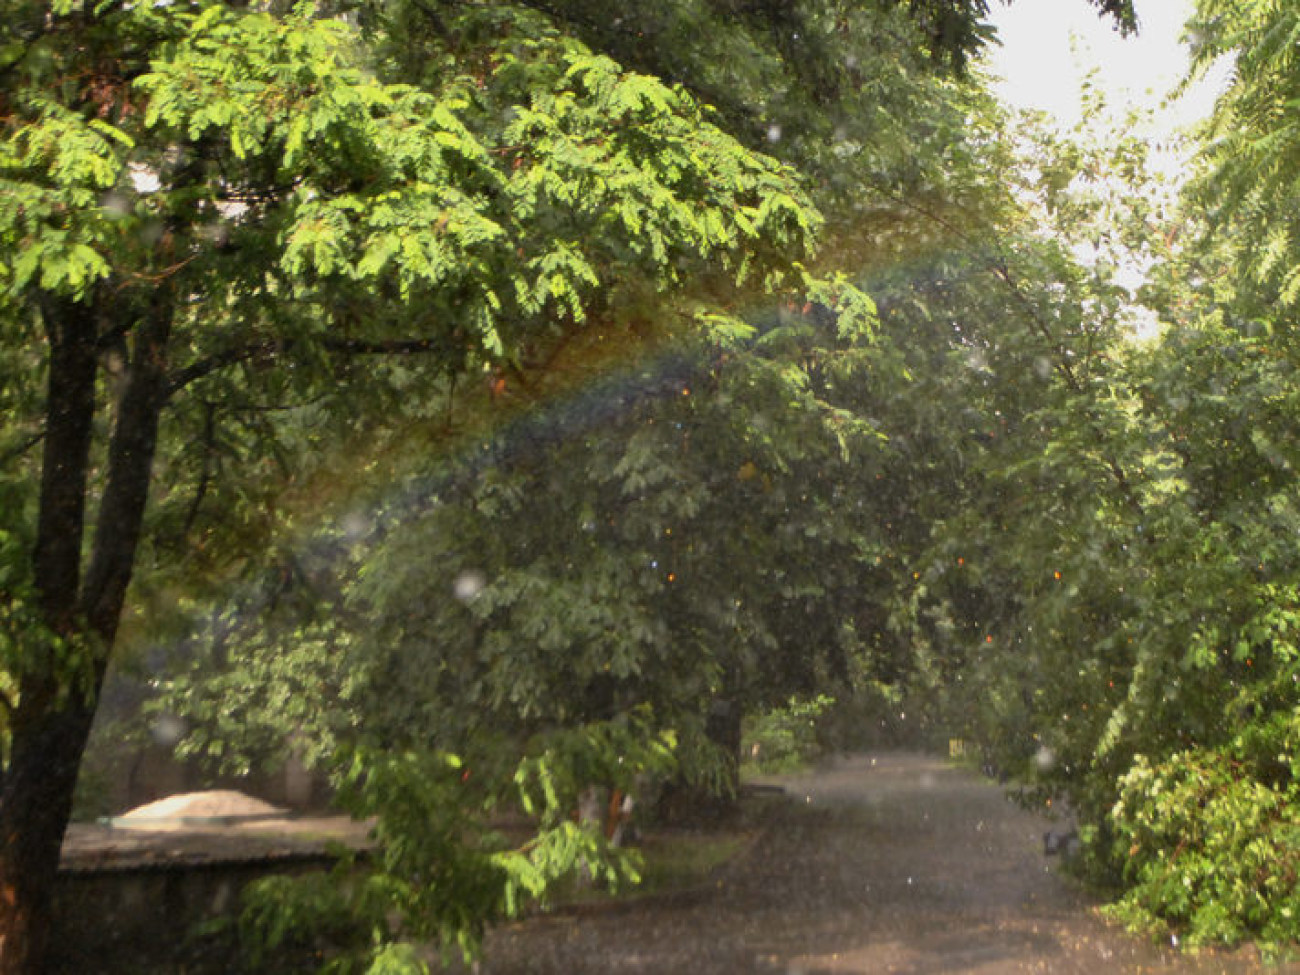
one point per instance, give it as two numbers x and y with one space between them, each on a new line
1042 70
1050 46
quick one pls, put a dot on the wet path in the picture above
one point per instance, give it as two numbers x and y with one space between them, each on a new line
896 863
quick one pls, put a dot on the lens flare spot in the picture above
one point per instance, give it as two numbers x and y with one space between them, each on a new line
469 584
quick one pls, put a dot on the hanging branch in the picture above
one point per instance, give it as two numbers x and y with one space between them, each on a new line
273 348
13 453
205 471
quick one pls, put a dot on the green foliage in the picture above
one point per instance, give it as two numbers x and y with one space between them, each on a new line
1211 850
285 915
1247 187
1209 835
439 872
785 738
260 254
287 240
1102 594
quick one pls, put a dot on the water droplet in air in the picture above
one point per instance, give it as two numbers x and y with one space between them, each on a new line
469 584
167 730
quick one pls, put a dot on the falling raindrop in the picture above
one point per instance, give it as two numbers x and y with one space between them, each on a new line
469 584
167 730
116 204
356 526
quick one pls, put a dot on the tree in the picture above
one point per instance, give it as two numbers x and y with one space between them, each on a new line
1251 146
216 213
221 204
641 546
793 357
1104 602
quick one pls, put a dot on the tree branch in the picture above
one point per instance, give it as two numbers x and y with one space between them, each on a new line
273 348
205 470
221 360
13 453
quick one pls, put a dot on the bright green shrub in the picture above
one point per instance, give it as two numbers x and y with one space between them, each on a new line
1212 850
785 738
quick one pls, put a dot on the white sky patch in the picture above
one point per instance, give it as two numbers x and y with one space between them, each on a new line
144 179
1050 46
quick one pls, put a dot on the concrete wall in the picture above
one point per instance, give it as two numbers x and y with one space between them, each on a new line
138 919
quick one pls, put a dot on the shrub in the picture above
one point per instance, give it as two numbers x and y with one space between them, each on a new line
1213 850
785 738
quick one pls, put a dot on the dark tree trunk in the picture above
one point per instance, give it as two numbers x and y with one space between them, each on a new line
723 729
130 468
69 418
36 800
37 804
59 685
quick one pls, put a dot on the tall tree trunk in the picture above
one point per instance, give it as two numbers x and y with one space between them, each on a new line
36 800
59 686
37 803
723 729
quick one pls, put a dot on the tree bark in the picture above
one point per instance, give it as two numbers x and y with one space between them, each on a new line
69 418
32 813
130 469
723 729
37 803
59 685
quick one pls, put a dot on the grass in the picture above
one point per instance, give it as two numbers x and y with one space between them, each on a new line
681 859
674 860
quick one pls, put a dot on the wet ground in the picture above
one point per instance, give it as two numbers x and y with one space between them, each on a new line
891 863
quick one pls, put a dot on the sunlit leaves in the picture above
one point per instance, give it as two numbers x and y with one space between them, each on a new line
1210 844
440 872
262 81
1248 185
471 187
55 225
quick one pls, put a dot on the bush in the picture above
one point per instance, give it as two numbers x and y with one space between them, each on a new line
1213 851
785 738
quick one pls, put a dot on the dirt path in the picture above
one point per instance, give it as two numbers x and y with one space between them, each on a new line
892 863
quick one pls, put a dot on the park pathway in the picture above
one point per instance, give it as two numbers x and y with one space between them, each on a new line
885 863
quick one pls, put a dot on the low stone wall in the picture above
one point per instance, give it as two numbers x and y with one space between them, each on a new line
128 901
139 919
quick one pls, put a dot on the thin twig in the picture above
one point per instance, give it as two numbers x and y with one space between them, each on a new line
15 452
270 348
